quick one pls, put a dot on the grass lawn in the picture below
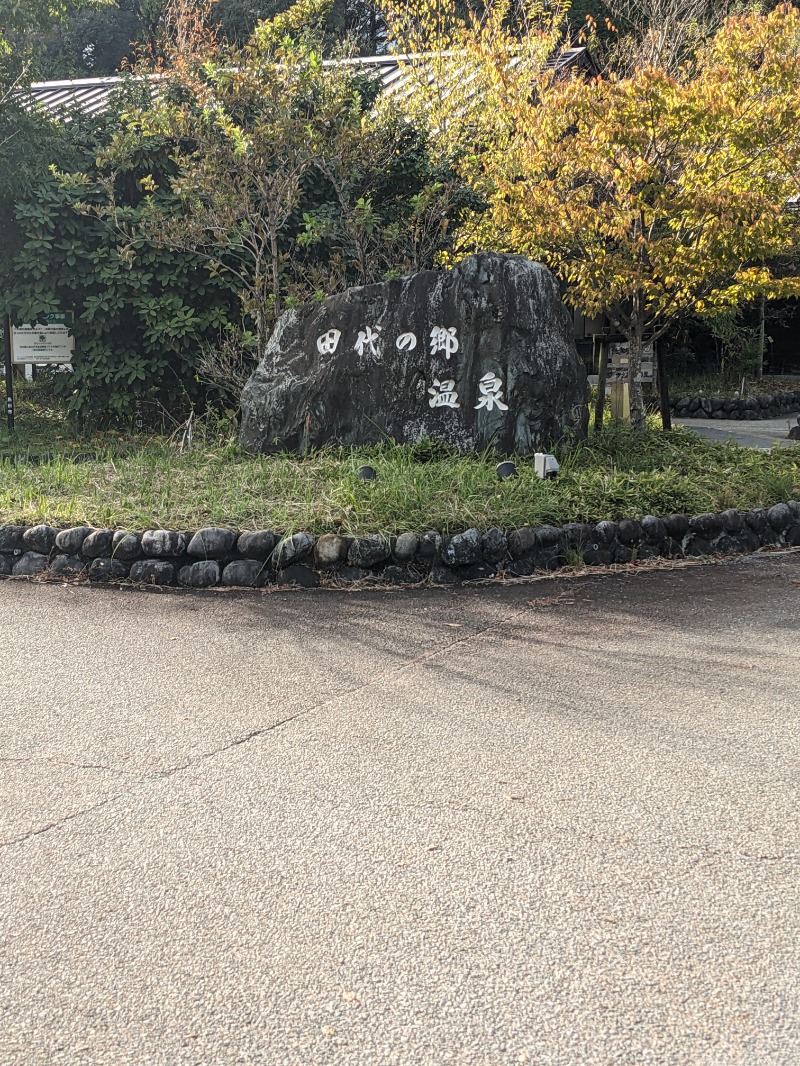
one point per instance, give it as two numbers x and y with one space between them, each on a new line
142 481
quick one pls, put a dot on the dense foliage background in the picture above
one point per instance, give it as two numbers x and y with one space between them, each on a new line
94 214
130 218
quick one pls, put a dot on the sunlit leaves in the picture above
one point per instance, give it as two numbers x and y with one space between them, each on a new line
652 195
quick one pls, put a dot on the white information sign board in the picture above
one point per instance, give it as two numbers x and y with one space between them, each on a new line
43 342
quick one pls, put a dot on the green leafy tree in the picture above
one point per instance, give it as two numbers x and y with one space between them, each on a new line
95 41
21 24
250 187
141 312
360 21
291 173
654 196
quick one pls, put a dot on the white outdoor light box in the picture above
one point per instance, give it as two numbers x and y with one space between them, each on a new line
545 465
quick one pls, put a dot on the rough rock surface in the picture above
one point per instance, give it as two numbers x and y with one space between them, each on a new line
302 576
369 551
126 546
212 542
400 575
249 573
478 356
779 517
770 405
654 530
463 549
67 566
428 547
106 569
163 542
521 542
11 538
70 541
202 575
605 533
29 564
153 572
329 551
41 539
494 544
98 544
256 544
629 531
350 575
405 547
292 549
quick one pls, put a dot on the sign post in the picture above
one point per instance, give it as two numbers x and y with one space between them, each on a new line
9 369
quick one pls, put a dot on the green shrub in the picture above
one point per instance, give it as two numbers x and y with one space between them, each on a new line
141 312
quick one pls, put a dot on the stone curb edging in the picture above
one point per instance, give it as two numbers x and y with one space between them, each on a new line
749 409
254 559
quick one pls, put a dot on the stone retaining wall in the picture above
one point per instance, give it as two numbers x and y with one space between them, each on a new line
254 559
751 408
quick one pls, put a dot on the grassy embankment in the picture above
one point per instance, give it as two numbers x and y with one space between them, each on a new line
142 481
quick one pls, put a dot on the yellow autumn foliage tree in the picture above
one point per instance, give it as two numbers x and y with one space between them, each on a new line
652 196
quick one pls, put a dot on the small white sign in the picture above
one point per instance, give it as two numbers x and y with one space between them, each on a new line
619 358
43 342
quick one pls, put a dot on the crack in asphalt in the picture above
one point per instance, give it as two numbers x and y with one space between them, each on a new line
380 678
61 821
254 734
68 762
237 742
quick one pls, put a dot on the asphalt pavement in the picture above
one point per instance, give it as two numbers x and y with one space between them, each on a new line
549 822
761 435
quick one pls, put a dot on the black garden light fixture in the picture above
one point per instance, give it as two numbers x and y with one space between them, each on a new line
506 470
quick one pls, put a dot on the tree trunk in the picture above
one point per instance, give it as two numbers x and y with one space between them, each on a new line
602 370
261 332
276 272
663 388
762 340
635 349
362 264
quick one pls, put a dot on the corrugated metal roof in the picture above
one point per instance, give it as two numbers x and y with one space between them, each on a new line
91 95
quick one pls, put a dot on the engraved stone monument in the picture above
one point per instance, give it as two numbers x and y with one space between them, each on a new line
479 356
